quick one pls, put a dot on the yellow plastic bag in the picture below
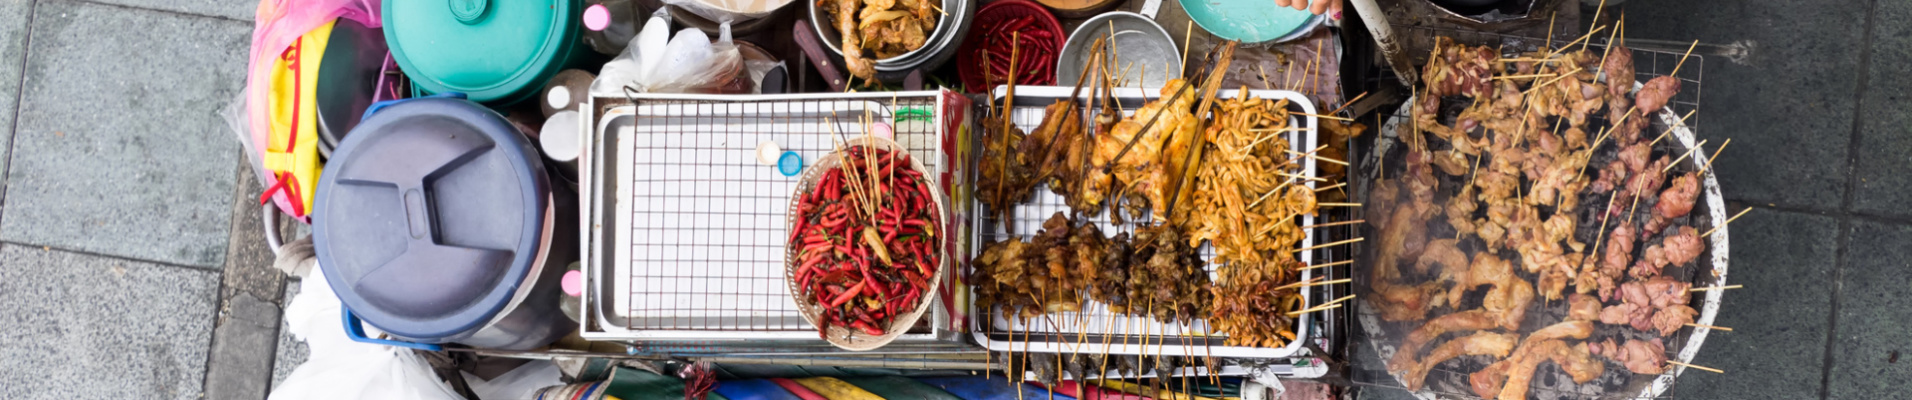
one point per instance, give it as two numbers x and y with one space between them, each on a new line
292 147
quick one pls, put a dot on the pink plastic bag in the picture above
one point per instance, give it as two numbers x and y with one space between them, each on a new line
277 23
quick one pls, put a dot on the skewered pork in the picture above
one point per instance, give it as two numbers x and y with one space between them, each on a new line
1675 202
1405 357
1655 93
1640 356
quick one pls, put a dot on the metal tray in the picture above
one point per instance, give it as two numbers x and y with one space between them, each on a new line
686 230
1124 335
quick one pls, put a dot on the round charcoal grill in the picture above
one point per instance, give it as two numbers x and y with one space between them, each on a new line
1449 379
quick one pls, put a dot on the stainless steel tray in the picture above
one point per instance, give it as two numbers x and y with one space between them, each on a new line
686 228
1126 335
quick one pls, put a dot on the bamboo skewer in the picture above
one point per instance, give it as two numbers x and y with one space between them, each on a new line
1595 21
1334 224
1610 43
1316 157
1321 308
1337 185
1676 161
1566 75
1707 369
1669 130
1709 232
1338 243
1326 117
1576 41
1345 104
1522 76
1717 328
1709 288
1547 41
1336 301
1342 262
1301 177
1689 52
1715 156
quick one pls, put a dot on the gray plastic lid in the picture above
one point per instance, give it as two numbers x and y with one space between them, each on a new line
428 217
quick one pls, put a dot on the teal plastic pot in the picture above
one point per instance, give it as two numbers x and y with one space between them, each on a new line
497 52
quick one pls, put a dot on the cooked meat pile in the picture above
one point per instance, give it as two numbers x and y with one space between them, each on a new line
1485 212
886 28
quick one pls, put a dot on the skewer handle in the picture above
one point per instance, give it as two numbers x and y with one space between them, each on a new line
1702 289
1702 368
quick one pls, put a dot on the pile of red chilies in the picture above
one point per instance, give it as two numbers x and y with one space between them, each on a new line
1035 58
863 271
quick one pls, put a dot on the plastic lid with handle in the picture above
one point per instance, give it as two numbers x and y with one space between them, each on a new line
494 51
429 217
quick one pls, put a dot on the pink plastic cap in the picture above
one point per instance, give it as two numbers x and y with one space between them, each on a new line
596 17
573 283
883 130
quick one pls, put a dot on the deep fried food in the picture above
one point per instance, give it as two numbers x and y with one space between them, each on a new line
1405 357
1143 169
1479 344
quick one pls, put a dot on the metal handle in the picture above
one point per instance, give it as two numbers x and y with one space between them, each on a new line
356 331
380 105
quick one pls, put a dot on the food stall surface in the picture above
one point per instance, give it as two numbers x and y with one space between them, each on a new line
130 249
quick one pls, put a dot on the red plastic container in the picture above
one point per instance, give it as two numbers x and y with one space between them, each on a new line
1037 56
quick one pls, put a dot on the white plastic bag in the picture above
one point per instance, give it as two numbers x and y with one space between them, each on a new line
687 63
340 368
731 11
521 383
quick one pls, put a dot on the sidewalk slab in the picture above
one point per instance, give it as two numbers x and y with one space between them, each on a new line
101 327
120 148
1872 357
1789 109
13 50
1777 347
234 9
1884 150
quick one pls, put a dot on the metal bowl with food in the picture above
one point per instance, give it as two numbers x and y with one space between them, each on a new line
1142 49
901 29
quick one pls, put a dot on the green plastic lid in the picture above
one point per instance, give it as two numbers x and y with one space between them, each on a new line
494 51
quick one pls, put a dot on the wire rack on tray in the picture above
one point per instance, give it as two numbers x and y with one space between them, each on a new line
687 228
1450 380
1096 330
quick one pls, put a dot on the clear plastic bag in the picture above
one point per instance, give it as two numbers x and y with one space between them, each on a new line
340 368
732 11
688 63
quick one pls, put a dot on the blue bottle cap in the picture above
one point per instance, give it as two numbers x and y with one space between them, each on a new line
790 164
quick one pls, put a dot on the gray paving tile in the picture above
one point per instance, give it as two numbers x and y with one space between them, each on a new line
101 327
1789 110
120 148
239 365
1778 340
1873 315
291 352
234 9
13 40
1885 140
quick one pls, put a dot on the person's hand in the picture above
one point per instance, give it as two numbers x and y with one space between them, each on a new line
1332 8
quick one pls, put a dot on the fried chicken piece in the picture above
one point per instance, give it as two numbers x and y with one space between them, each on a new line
845 13
1640 356
1478 344
1460 213
1047 146
1087 245
1655 93
1581 307
1683 246
1488 381
1484 270
1443 252
1473 320
1576 360
1675 202
1142 169
1006 178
